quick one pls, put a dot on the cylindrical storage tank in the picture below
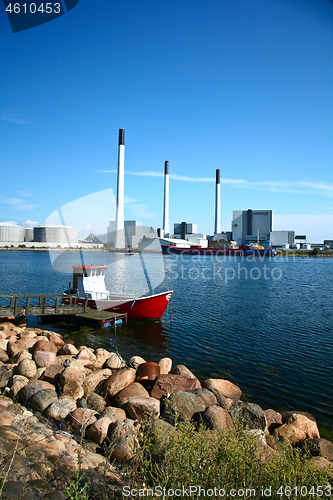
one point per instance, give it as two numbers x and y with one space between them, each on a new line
11 233
29 234
56 234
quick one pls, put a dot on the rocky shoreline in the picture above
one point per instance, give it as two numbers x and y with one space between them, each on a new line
65 408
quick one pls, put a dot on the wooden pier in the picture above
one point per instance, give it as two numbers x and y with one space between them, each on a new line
94 318
39 305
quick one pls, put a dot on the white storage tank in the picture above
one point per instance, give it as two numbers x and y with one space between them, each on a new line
11 233
29 234
56 234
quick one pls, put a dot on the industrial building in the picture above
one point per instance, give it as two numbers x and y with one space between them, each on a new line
11 233
56 234
248 224
133 231
282 239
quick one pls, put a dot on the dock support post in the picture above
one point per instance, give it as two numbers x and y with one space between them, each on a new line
56 305
44 305
27 305
15 306
86 305
11 304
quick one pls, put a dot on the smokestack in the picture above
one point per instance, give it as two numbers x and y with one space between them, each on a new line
120 230
217 229
166 200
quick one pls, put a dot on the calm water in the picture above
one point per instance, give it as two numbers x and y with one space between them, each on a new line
264 324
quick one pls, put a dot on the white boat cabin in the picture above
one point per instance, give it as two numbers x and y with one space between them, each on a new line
89 281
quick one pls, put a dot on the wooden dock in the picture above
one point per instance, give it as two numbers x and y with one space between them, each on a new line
39 305
94 318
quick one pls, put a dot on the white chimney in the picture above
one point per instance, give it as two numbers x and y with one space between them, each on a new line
166 230
217 229
120 230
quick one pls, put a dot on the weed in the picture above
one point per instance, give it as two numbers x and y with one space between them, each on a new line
234 460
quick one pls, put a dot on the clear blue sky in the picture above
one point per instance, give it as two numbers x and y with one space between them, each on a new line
245 86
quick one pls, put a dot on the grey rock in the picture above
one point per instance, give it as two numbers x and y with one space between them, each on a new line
252 415
42 399
96 402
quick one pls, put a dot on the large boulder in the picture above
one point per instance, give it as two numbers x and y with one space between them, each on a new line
114 362
18 382
73 389
42 399
96 402
185 404
44 358
68 349
86 357
94 379
252 415
124 442
118 381
167 384
56 340
30 389
135 390
223 388
297 428
143 408
217 418
113 413
27 368
60 409
52 373
43 346
99 430
70 374
81 417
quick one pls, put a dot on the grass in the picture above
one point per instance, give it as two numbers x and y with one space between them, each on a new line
230 462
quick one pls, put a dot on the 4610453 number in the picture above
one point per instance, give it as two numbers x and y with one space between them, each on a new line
32 8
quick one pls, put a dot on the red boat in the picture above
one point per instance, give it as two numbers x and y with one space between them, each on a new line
89 281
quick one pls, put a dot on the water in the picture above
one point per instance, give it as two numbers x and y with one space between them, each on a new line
264 324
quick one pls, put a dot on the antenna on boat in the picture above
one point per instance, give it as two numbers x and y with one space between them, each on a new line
92 240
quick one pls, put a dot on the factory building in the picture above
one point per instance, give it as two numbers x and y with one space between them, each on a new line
134 232
56 234
29 234
282 239
247 224
11 233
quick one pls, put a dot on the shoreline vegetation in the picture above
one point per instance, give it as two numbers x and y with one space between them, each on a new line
82 423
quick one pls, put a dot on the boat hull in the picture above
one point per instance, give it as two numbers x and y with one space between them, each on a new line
256 252
147 307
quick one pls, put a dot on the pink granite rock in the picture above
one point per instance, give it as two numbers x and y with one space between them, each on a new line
165 385
118 381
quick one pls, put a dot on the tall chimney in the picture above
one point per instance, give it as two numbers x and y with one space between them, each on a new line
166 201
217 229
120 230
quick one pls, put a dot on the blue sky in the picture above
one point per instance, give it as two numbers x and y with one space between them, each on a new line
245 86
